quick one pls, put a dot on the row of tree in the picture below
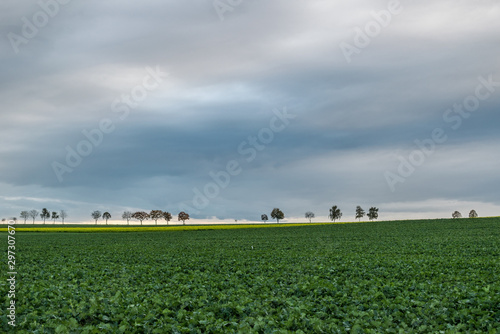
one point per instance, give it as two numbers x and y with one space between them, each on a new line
335 213
45 214
127 215
472 214
275 214
142 215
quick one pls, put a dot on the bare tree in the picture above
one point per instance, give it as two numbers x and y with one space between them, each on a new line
456 214
310 215
140 215
96 215
63 215
183 216
373 213
33 214
264 218
360 213
127 215
55 216
277 214
335 213
106 215
167 216
155 215
25 215
45 214
473 214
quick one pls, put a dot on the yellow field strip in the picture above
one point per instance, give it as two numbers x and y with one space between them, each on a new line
163 228
190 227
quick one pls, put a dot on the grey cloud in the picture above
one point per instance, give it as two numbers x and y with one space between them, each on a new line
225 78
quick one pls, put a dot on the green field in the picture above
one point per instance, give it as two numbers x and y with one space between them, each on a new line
430 276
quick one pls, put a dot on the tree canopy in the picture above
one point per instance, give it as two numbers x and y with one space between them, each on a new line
335 213
140 215
183 217
96 215
373 213
45 214
106 215
277 214
155 215
360 213
167 216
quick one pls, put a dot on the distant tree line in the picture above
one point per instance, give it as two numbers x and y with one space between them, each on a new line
334 214
142 216
472 214
44 215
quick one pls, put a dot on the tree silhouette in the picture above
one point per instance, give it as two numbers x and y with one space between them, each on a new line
373 213
167 216
140 215
456 214
264 218
473 214
45 214
96 215
55 216
63 215
309 215
25 215
277 214
155 215
335 213
127 215
106 215
33 214
360 213
183 216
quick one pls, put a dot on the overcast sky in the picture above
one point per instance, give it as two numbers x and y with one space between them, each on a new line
301 105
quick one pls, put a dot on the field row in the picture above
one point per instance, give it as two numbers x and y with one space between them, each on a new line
392 277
